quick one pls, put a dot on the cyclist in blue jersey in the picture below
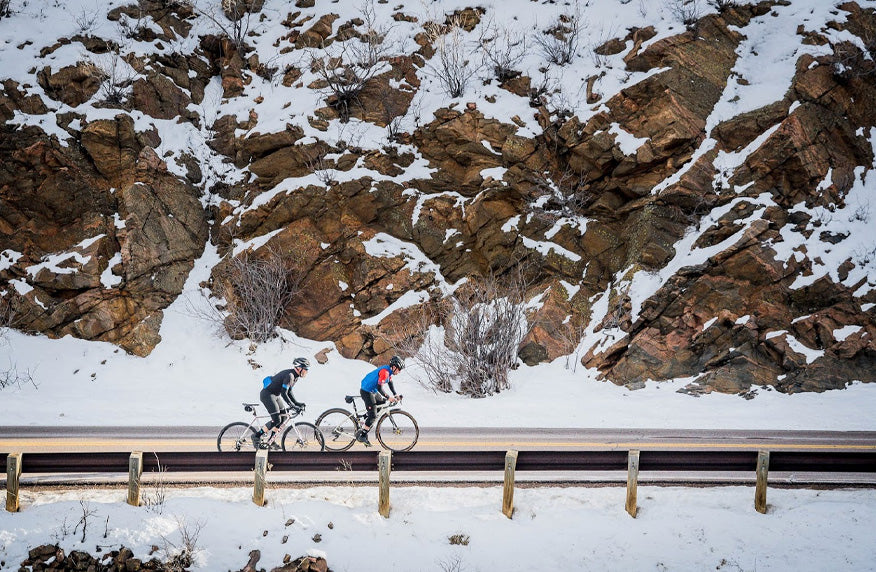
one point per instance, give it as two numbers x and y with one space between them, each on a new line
373 392
277 396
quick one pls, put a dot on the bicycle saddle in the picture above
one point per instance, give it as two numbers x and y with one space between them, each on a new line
349 398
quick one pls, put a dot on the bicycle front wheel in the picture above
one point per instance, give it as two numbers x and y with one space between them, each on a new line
338 428
398 431
303 436
236 437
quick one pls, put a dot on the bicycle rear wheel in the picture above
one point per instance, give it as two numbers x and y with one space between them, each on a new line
303 436
397 431
236 437
338 427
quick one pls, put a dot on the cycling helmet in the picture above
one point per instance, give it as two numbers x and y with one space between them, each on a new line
301 362
397 362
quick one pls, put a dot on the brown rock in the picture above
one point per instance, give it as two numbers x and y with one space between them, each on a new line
114 147
317 35
72 85
11 98
159 97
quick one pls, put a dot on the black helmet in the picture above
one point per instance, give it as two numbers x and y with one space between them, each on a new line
398 362
301 362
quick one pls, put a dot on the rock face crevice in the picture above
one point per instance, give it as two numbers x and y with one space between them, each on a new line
683 240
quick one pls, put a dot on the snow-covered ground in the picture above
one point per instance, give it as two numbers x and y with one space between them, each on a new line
569 529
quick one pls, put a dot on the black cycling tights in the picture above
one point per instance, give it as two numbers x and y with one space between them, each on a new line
274 404
371 400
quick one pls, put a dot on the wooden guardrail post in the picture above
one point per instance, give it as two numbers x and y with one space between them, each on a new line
384 466
508 489
13 477
760 492
632 483
261 468
135 471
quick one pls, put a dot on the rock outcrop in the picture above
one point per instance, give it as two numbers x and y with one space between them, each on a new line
688 242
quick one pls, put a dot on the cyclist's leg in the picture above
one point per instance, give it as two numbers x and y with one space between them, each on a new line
370 404
275 405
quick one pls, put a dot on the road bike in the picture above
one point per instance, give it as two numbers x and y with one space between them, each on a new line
300 436
396 430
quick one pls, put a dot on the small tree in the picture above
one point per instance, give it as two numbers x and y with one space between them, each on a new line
4 9
257 292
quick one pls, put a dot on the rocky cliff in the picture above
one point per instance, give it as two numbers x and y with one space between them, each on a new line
684 216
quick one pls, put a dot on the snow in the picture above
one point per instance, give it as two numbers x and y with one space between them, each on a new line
564 528
434 528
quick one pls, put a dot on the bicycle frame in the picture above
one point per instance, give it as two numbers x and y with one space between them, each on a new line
257 423
380 410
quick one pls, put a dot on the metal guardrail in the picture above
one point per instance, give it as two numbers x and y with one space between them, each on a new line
383 462
461 461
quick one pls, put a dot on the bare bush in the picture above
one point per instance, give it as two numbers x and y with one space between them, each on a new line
133 27
450 65
85 20
559 43
257 292
722 5
323 168
155 498
688 11
392 111
11 375
115 75
469 342
564 194
850 61
452 564
230 17
570 334
503 50
346 67
865 256
179 556
4 8
87 513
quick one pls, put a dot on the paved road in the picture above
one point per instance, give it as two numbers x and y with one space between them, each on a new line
71 439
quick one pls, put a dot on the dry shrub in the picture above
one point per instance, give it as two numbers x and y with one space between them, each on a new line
468 342
257 290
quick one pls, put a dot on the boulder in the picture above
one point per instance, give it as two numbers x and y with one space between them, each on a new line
73 85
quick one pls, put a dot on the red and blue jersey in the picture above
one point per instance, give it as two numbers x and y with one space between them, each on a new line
376 378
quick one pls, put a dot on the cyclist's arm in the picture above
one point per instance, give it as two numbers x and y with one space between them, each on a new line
384 379
290 399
